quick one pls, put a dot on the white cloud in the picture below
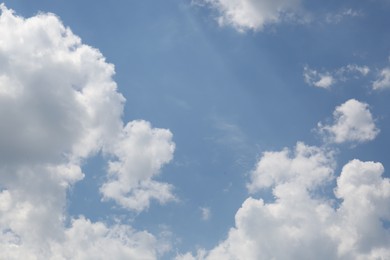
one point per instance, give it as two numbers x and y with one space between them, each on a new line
337 17
317 79
206 213
86 240
229 134
141 152
59 106
352 70
253 14
383 80
325 79
200 254
33 222
353 122
63 99
83 240
324 82
303 224
307 165
360 231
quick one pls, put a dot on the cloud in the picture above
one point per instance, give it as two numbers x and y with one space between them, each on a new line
206 213
59 106
326 79
87 240
352 70
304 219
84 240
229 134
141 152
33 223
353 122
365 207
307 165
304 223
317 79
200 255
335 18
252 14
383 80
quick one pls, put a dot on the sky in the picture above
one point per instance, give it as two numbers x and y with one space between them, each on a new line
194 129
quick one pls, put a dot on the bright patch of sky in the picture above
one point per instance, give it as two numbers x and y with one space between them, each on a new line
203 129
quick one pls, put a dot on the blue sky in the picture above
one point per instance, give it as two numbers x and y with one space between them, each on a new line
229 129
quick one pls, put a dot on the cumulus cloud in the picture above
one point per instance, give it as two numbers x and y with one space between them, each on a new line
307 165
383 80
84 240
361 231
300 223
325 79
353 122
141 152
252 14
58 107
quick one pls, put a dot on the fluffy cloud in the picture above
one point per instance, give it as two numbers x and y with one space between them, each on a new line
33 223
360 231
141 152
304 220
59 106
383 80
303 224
252 14
83 240
307 165
353 122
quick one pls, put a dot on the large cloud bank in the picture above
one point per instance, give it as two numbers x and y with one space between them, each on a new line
59 106
304 220
300 223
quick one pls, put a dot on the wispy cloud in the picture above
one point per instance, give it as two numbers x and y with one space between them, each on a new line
229 133
337 17
206 213
253 14
326 79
